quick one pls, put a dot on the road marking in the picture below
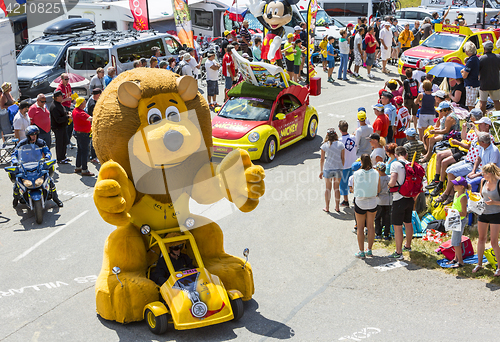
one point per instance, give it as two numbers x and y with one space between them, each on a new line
346 100
391 266
364 333
49 285
28 251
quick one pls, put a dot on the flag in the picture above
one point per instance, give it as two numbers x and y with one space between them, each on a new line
139 9
311 26
3 8
237 13
183 22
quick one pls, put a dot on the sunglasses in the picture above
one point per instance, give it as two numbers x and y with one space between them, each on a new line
65 79
43 101
176 248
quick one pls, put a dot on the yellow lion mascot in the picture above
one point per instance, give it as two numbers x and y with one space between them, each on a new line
152 133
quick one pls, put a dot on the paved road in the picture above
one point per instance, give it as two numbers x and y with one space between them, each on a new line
309 287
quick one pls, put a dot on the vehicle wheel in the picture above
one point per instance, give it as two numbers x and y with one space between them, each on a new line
237 307
269 150
37 205
157 325
312 128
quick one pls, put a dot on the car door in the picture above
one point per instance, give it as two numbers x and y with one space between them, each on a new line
289 127
487 36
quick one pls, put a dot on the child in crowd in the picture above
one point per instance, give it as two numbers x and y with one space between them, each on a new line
322 46
349 142
392 85
383 216
459 204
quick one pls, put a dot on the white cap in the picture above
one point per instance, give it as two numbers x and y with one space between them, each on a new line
297 28
485 120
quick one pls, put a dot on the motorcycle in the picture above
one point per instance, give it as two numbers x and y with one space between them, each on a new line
32 176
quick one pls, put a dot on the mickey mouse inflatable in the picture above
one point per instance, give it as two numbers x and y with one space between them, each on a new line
273 15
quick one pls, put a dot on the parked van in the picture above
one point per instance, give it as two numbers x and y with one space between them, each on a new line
463 3
325 25
347 11
118 49
43 60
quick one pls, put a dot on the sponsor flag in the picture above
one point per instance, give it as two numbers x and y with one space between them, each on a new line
183 22
311 26
139 9
3 8
236 13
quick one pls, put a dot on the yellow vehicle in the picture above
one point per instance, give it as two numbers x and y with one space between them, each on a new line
263 120
190 298
446 45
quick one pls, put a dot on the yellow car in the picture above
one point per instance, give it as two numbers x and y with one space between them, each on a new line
446 45
191 297
263 120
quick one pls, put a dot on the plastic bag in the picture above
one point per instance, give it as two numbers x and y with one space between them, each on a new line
475 203
453 221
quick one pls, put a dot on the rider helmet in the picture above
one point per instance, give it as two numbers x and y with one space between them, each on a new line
32 130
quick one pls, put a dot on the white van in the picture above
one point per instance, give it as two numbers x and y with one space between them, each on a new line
118 49
325 25
347 11
465 3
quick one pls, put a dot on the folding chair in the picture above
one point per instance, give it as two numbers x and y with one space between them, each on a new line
9 147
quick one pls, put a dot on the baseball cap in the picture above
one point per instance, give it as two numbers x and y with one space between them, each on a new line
378 106
374 136
361 115
96 91
488 45
226 32
245 55
440 93
460 181
398 100
297 28
350 25
233 32
356 166
484 120
361 109
186 56
380 166
443 105
79 101
57 93
411 132
476 113
290 35
210 54
393 81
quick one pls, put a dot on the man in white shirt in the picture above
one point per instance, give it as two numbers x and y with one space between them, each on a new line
386 39
21 120
187 70
212 70
193 63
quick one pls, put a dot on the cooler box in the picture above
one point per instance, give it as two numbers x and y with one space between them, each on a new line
315 86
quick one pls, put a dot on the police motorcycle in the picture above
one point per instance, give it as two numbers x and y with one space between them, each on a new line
32 179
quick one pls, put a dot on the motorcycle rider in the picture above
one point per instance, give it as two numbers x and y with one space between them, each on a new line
32 133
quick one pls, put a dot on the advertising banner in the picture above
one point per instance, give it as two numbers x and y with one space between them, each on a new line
183 22
259 73
139 9
311 26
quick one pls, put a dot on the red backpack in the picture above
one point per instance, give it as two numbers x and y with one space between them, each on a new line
412 185
413 85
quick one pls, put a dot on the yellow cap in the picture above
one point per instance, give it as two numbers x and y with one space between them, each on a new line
226 32
79 101
361 115
290 35
393 81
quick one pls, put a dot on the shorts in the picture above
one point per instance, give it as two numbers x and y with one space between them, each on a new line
331 64
402 210
471 96
5 125
360 211
358 61
460 169
323 58
489 218
385 53
458 156
332 173
212 88
370 59
494 94
229 82
296 69
456 236
289 65
425 120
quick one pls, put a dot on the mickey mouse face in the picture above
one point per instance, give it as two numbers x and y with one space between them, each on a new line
276 15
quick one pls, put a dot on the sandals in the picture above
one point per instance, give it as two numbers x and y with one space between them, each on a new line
478 268
457 265
497 273
451 262
449 200
442 198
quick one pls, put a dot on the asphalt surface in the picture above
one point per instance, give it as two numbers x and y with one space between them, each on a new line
308 285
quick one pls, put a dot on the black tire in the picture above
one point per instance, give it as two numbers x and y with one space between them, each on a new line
37 206
312 128
237 307
157 324
269 152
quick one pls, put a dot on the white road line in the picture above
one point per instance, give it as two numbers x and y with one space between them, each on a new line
28 251
346 100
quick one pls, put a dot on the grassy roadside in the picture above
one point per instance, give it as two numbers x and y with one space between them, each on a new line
410 3
423 255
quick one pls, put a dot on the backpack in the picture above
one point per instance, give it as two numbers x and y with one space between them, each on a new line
412 185
413 85
178 68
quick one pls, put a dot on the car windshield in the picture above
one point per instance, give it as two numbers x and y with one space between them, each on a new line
246 108
444 41
29 156
39 54
323 19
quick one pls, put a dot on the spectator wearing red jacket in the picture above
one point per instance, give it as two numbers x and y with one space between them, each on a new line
40 116
83 126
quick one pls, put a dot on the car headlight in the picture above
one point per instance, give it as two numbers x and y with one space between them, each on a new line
254 137
39 182
403 58
38 81
436 60
27 183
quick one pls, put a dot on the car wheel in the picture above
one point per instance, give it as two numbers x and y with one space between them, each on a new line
312 128
237 307
157 324
269 150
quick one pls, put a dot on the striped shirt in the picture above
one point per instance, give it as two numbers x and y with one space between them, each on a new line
412 147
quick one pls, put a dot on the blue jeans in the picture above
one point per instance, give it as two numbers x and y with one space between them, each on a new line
346 173
82 153
343 65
